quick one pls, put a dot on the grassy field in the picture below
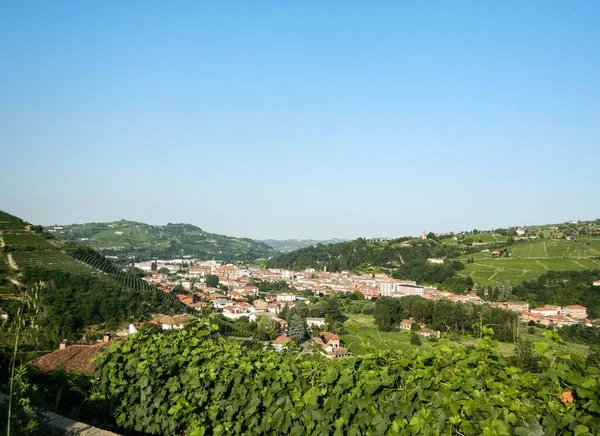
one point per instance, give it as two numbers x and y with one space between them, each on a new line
530 259
362 336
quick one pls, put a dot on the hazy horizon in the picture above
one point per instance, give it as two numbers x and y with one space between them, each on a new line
323 238
301 120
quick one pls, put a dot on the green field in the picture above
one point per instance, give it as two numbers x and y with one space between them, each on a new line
362 336
530 259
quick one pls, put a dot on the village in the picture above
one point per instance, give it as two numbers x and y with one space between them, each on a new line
237 288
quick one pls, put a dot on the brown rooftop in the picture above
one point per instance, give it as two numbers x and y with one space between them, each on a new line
75 358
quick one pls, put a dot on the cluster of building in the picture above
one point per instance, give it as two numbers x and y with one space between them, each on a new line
233 303
327 342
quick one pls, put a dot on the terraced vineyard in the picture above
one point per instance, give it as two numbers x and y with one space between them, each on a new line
529 260
129 238
30 250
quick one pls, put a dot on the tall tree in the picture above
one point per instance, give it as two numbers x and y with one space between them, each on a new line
296 327
212 281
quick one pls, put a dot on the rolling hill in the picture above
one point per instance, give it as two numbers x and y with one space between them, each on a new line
287 245
530 252
144 241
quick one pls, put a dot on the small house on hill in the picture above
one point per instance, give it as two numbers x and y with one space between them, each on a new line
77 359
167 322
330 339
338 353
281 342
406 324
428 333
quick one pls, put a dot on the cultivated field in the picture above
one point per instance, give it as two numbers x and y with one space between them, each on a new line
530 259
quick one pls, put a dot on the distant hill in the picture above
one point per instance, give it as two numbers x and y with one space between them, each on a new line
144 241
526 253
287 245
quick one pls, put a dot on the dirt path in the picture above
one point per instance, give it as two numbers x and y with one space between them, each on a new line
12 262
1 239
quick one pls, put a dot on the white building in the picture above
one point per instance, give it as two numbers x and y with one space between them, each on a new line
285 297
319 322
546 310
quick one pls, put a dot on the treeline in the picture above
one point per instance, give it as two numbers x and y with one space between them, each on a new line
224 388
446 316
581 334
562 288
408 262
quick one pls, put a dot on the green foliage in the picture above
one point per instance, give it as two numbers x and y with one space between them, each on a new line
406 262
266 327
562 288
446 316
297 327
212 281
593 358
525 356
189 382
581 334
415 339
147 242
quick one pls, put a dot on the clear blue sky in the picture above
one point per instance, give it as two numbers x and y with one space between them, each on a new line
301 119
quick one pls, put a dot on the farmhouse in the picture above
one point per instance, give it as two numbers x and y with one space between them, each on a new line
281 342
77 359
330 339
167 322
406 324
428 333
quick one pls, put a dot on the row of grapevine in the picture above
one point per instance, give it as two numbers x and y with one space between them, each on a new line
97 261
192 383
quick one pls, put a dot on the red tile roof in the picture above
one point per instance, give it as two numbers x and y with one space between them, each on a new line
74 358
282 340
328 336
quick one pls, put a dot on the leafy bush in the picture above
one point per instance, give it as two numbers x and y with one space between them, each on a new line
189 382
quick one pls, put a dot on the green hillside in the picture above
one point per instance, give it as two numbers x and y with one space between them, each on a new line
530 259
287 245
530 252
77 295
145 241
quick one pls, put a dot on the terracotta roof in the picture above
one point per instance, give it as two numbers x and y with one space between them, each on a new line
172 320
282 340
328 336
74 358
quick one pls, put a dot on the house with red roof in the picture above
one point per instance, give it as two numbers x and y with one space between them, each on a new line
281 342
76 359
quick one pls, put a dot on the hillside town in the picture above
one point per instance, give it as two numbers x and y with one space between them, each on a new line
236 284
